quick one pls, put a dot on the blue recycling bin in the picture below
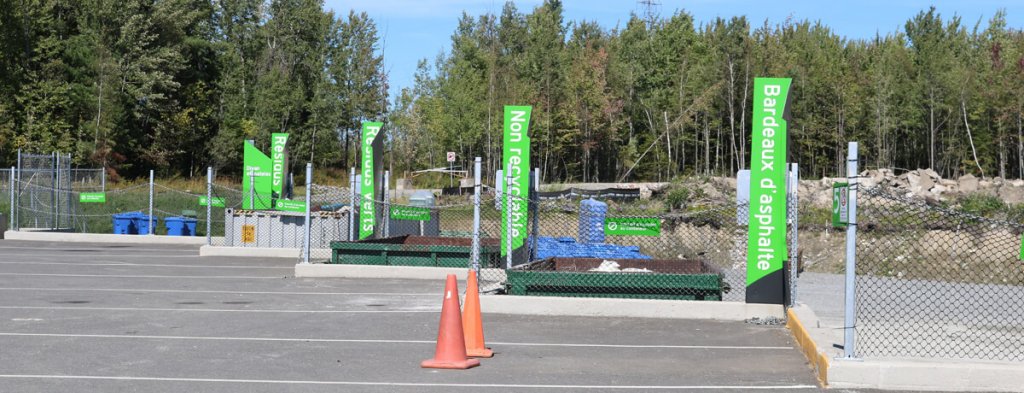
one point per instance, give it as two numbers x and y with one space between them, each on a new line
180 226
142 223
124 224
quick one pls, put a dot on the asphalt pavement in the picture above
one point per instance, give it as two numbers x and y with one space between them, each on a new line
150 318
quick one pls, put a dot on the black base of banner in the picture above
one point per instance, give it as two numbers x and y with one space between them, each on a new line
769 289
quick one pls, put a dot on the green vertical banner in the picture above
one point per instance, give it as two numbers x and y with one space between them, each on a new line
516 161
367 212
840 204
279 164
258 168
766 241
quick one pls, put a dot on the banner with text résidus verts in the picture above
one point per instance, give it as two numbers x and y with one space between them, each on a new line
516 162
367 210
766 242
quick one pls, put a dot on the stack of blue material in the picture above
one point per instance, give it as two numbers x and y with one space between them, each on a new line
591 226
567 247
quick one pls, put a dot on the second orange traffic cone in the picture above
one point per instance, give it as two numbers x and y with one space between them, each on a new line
451 347
472 324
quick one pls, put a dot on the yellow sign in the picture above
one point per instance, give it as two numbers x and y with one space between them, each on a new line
248 234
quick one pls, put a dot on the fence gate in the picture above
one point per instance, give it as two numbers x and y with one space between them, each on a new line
42 192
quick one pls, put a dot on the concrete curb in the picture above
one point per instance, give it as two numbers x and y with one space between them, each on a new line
251 252
322 270
627 308
816 342
817 359
102 238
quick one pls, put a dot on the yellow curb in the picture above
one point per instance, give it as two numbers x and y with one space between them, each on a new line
816 359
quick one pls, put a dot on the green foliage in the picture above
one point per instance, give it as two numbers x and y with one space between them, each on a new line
983 205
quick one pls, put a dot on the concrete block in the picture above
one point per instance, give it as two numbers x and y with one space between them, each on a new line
252 252
102 238
322 270
627 308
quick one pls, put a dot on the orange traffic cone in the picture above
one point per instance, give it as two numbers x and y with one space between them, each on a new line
451 347
472 324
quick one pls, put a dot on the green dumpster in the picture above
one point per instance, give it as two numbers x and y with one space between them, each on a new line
412 250
688 279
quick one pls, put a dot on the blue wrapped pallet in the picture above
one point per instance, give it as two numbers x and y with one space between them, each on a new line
591 224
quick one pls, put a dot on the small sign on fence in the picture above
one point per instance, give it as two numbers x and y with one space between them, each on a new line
410 213
289 205
450 156
632 226
248 233
92 197
840 204
217 201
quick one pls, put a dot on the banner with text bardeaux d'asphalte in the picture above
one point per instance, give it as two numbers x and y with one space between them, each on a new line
516 163
766 242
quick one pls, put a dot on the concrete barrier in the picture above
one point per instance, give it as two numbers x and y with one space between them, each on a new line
102 238
322 270
627 308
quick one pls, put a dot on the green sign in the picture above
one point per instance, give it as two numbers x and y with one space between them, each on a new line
516 163
410 213
290 206
257 177
632 226
840 204
766 242
278 163
367 213
217 201
92 197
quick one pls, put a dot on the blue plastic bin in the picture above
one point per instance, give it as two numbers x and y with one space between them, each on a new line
142 223
124 224
180 226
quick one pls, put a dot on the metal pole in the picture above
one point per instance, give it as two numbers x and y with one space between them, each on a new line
849 345
508 218
252 190
352 204
103 179
794 251
17 220
11 182
151 229
387 205
308 226
534 211
475 250
209 205
56 191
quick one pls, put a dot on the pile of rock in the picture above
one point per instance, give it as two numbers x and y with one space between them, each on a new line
926 183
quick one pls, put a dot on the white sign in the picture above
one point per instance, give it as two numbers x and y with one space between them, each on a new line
451 156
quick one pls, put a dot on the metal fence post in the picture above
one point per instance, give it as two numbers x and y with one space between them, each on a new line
352 204
103 180
10 183
386 209
508 218
252 191
151 229
475 250
849 326
308 226
56 190
209 205
794 224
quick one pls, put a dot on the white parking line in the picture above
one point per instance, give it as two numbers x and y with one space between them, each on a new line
128 264
224 292
111 249
96 256
413 384
418 310
133 276
330 340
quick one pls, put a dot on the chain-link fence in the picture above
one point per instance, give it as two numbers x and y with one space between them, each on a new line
936 282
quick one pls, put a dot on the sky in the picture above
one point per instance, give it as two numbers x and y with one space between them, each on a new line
416 29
